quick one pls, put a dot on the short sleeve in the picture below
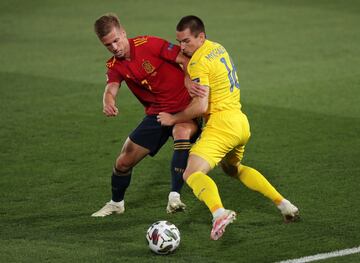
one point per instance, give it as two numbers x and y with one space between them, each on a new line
113 76
164 49
199 72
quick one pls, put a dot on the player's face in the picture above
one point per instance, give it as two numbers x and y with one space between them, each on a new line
117 43
189 43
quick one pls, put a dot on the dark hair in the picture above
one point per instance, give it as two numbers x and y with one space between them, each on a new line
194 23
104 24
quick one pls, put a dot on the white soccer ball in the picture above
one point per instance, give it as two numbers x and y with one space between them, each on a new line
163 237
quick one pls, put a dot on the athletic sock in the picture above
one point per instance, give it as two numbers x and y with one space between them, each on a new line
218 212
119 204
119 182
257 182
178 164
205 190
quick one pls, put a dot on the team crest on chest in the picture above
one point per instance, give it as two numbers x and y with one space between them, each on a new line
148 67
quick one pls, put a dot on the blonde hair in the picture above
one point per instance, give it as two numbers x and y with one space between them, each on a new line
104 24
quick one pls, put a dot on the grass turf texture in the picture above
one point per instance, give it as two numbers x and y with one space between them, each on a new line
298 63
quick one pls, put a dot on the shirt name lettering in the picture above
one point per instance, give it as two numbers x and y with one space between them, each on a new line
215 53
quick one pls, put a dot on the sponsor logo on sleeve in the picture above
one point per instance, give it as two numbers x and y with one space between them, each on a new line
170 47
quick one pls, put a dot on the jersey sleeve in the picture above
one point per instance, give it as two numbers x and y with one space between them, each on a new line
113 76
199 72
164 49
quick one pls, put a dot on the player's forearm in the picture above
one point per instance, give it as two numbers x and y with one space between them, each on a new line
183 61
196 108
110 92
108 98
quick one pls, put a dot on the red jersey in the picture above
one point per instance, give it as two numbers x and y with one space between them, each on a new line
152 75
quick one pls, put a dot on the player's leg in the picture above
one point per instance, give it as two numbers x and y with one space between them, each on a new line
213 145
143 140
182 132
205 190
255 181
130 155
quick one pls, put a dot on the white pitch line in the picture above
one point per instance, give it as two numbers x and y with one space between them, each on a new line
337 253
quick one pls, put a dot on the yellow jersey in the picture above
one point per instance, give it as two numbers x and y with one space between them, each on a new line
212 66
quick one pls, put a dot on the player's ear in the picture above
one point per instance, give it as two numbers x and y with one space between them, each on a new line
202 36
123 33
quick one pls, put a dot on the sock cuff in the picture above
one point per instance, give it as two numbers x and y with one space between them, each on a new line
117 172
193 177
182 145
182 140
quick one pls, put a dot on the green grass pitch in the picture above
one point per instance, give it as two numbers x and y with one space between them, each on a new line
299 69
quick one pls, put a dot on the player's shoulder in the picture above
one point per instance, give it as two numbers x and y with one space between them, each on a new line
214 47
111 62
140 40
199 57
210 51
147 40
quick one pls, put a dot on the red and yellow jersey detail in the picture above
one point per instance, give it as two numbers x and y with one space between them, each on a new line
140 41
111 62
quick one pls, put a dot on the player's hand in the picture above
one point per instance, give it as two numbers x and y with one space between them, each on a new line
110 110
166 119
195 89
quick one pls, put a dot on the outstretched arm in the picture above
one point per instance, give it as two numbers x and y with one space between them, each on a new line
109 99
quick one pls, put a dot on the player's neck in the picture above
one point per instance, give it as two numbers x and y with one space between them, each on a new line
128 52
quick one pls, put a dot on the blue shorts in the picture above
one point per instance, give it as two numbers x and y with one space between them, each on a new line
151 135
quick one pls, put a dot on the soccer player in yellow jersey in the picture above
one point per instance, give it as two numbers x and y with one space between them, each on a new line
226 131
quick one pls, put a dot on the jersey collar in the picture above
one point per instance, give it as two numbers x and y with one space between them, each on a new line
132 48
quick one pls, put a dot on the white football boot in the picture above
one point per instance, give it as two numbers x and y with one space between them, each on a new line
220 223
110 208
289 211
174 204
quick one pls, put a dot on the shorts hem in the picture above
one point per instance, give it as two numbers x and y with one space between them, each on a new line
206 158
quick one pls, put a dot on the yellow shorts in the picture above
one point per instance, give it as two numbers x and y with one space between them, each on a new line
223 137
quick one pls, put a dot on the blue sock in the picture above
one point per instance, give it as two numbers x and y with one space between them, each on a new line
178 163
119 182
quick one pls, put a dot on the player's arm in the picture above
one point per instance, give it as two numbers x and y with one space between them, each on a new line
197 107
172 53
109 99
193 88
182 60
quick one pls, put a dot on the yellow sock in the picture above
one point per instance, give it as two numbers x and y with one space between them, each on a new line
205 190
257 182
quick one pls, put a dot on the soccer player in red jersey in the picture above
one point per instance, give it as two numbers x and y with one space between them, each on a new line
150 66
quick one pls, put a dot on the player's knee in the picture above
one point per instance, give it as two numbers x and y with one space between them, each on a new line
189 171
183 131
229 169
186 175
123 163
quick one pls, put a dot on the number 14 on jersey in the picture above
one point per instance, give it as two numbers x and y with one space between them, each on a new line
231 74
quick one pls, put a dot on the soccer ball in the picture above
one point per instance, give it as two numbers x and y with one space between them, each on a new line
163 237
